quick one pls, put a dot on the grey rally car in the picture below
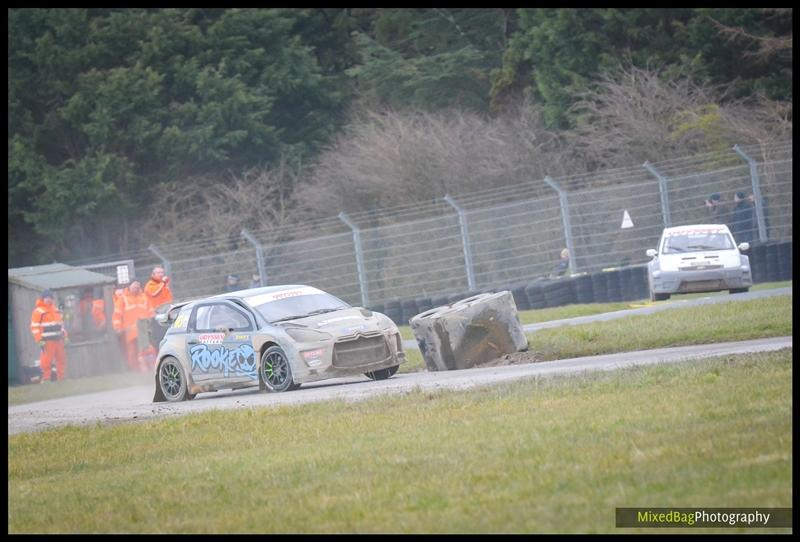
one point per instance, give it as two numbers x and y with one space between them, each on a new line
276 337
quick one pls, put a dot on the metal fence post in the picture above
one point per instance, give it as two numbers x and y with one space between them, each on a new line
662 189
562 198
362 275
164 260
462 220
762 226
262 270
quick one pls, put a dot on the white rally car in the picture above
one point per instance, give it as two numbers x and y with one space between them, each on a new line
697 258
276 337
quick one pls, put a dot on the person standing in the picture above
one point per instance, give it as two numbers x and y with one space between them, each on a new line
717 209
158 293
131 307
232 284
157 289
47 326
742 219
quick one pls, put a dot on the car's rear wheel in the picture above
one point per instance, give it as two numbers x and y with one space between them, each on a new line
275 371
172 381
382 374
738 290
658 297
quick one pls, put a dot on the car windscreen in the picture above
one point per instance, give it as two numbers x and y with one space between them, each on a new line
300 306
697 242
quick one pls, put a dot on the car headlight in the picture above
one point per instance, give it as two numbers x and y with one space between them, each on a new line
307 335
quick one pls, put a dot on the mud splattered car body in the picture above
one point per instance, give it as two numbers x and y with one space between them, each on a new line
276 337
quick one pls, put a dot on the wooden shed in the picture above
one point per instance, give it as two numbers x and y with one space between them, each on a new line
91 351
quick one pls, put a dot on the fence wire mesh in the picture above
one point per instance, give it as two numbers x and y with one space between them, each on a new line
515 234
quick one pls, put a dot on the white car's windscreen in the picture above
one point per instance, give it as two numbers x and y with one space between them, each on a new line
696 242
304 303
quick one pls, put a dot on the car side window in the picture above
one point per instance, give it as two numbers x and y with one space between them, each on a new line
211 317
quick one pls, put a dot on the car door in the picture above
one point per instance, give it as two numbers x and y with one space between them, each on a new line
220 346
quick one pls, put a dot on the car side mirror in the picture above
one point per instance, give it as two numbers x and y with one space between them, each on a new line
651 252
744 246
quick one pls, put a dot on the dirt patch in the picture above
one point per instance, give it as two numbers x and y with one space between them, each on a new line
515 358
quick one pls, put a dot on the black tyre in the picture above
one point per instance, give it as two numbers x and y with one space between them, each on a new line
172 381
658 297
738 290
275 371
382 374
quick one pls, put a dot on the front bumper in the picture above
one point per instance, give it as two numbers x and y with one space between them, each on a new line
330 364
710 280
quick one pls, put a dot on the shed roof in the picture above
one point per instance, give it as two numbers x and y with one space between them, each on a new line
56 276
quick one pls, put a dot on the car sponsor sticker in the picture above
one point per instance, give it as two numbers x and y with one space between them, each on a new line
241 337
180 322
277 296
211 338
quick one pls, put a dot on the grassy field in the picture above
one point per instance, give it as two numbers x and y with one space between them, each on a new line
538 455
740 321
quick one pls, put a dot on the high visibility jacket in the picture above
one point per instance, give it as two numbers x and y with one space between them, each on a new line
129 309
94 307
99 313
157 293
47 323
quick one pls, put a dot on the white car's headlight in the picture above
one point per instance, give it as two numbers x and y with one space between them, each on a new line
307 335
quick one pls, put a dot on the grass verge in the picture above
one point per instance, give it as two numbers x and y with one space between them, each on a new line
740 321
539 455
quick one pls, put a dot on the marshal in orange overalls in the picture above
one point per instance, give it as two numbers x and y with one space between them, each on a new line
47 326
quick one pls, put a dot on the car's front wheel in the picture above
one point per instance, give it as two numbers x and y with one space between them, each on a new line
275 371
172 381
738 290
382 374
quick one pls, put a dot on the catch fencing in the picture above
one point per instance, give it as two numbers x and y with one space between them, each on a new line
494 238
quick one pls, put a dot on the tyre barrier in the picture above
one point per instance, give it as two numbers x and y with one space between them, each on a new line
614 287
408 309
770 261
600 287
583 289
639 282
784 261
626 285
472 331
535 295
758 262
773 273
393 310
520 298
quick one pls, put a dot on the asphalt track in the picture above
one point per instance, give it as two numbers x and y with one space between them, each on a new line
135 403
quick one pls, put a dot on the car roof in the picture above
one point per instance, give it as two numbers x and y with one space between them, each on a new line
694 227
250 292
